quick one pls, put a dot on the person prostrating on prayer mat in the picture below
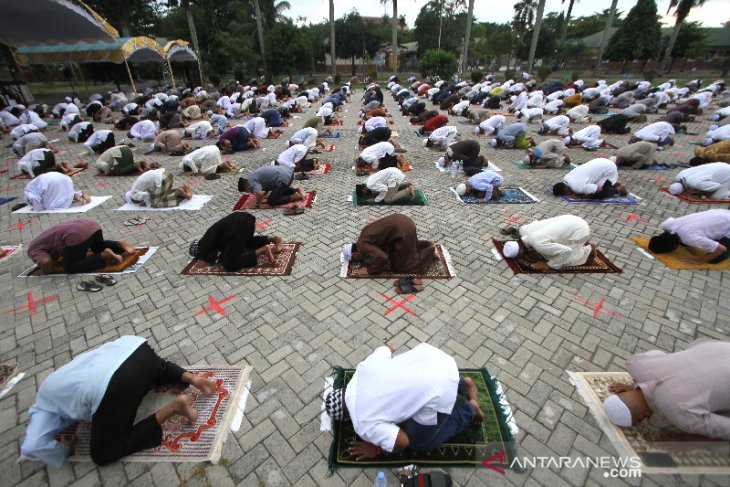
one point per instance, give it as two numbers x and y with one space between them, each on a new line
231 241
405 401
387 186
105 387
596 179
391 242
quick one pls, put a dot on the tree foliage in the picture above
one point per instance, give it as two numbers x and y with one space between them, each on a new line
288 48
581 27
435 62
639 35
452 22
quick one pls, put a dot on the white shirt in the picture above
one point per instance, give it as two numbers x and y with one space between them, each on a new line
22 129
701 230
460 107
76 130
709 178
560 240
95 139
381 181
444 136
32 160
8 118
558 124
720 133
33 138
72 393
589 137
578 114
375 152
204 160
68 117
530 113
655 132
292 155
49 191
490 125
146 184
199 130
306 136
324 112
144 129
375 122
32 117
129 107
387 390
588 178
554 106
257 127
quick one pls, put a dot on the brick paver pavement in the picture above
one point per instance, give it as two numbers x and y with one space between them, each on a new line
527 329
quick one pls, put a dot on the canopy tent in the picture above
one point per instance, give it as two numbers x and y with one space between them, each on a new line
179 50
123 50
51 22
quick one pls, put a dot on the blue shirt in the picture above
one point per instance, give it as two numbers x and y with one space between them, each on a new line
72 393
485 181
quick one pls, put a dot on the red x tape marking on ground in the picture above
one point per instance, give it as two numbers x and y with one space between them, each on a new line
597 308
330 148
499 456
216 305
509 220
31 304
102 185
660 179
262 225
21 224
192 182
399 304
633 217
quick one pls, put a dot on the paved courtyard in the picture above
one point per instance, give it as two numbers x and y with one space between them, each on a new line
528 330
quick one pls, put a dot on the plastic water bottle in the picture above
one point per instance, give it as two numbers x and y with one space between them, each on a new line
454 168
380 480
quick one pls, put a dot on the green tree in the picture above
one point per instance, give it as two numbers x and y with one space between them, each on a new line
437 62
131 17
354 38
566 20
690 43
451 24
638 37
682 9
536 35
581 27
289 49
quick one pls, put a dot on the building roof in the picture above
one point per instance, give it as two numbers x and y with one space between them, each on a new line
716 37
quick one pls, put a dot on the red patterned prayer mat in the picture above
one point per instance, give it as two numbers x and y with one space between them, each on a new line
323 169
273 136
248 199
104 175
690 199
282 266
181 441
74 171
336 122
441 268
600 264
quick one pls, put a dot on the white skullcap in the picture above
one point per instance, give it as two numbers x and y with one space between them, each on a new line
617 411
347 252
68 99
461 189
128 197
209 112
526 159
493 142
707 141
713 127
511 249
425 141
441 162
716 117
476 130
566 140
676 188
612 159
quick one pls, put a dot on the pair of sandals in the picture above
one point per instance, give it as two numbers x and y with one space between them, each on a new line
297 210
137 220
94 287
408 285
510 232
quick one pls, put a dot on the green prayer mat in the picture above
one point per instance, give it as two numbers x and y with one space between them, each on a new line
419 199
468 449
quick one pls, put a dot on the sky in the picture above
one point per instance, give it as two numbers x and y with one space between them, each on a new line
712 14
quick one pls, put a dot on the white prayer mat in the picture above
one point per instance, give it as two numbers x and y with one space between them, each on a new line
195 203
74 208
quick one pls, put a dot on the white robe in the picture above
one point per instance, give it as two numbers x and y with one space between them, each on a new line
560 240
381 181
492 124
375 152
292 155
257 127
204 160
49 191
199 130
589 137
708 178
444 136
588 178
655 132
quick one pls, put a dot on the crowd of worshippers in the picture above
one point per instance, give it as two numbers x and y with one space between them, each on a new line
395 402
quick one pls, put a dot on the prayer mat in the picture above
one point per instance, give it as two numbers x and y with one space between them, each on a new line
330 148
419 199
10 250
522 165
388 119
336 135
272 136
130 263
441 268
183 442
417 124
74 208
521 265
468 449
690 199
132 174
335 122
195 203
282 266
370 170
233 172
247 200
659 452
490 167
510 196
673 260
74 171
614 200
7 371
6 200
607 114
323 169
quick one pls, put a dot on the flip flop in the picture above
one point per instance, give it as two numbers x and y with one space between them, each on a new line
137 220
297 210
106 279
89 287
212 176
509 231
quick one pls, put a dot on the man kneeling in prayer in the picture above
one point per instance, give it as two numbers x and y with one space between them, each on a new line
596 179
119 161
206 160
53 191
232 242
549 153
562 241
72 240
391 242
154 188
687 388
379 156
405 401
710 181
295 156
387 186
105 387
272 182
485 185
708 231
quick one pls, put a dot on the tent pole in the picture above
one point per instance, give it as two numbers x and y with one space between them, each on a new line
172 76
129 72
200 69
81 73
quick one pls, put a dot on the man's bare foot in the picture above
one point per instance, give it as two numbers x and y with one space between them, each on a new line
278 244
471 388
110 257
183 406
479 417
204 385
126 246
82 165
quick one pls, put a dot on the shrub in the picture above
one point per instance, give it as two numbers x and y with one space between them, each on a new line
373 75
476 76
575 76
543 72
436 62
338 78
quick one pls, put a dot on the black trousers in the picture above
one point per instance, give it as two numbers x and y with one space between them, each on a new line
379 134
113 432
281 194
724 241
75 259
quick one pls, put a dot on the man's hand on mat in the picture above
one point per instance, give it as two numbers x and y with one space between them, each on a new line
266 252
616 387
479 417
278 244
363 450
